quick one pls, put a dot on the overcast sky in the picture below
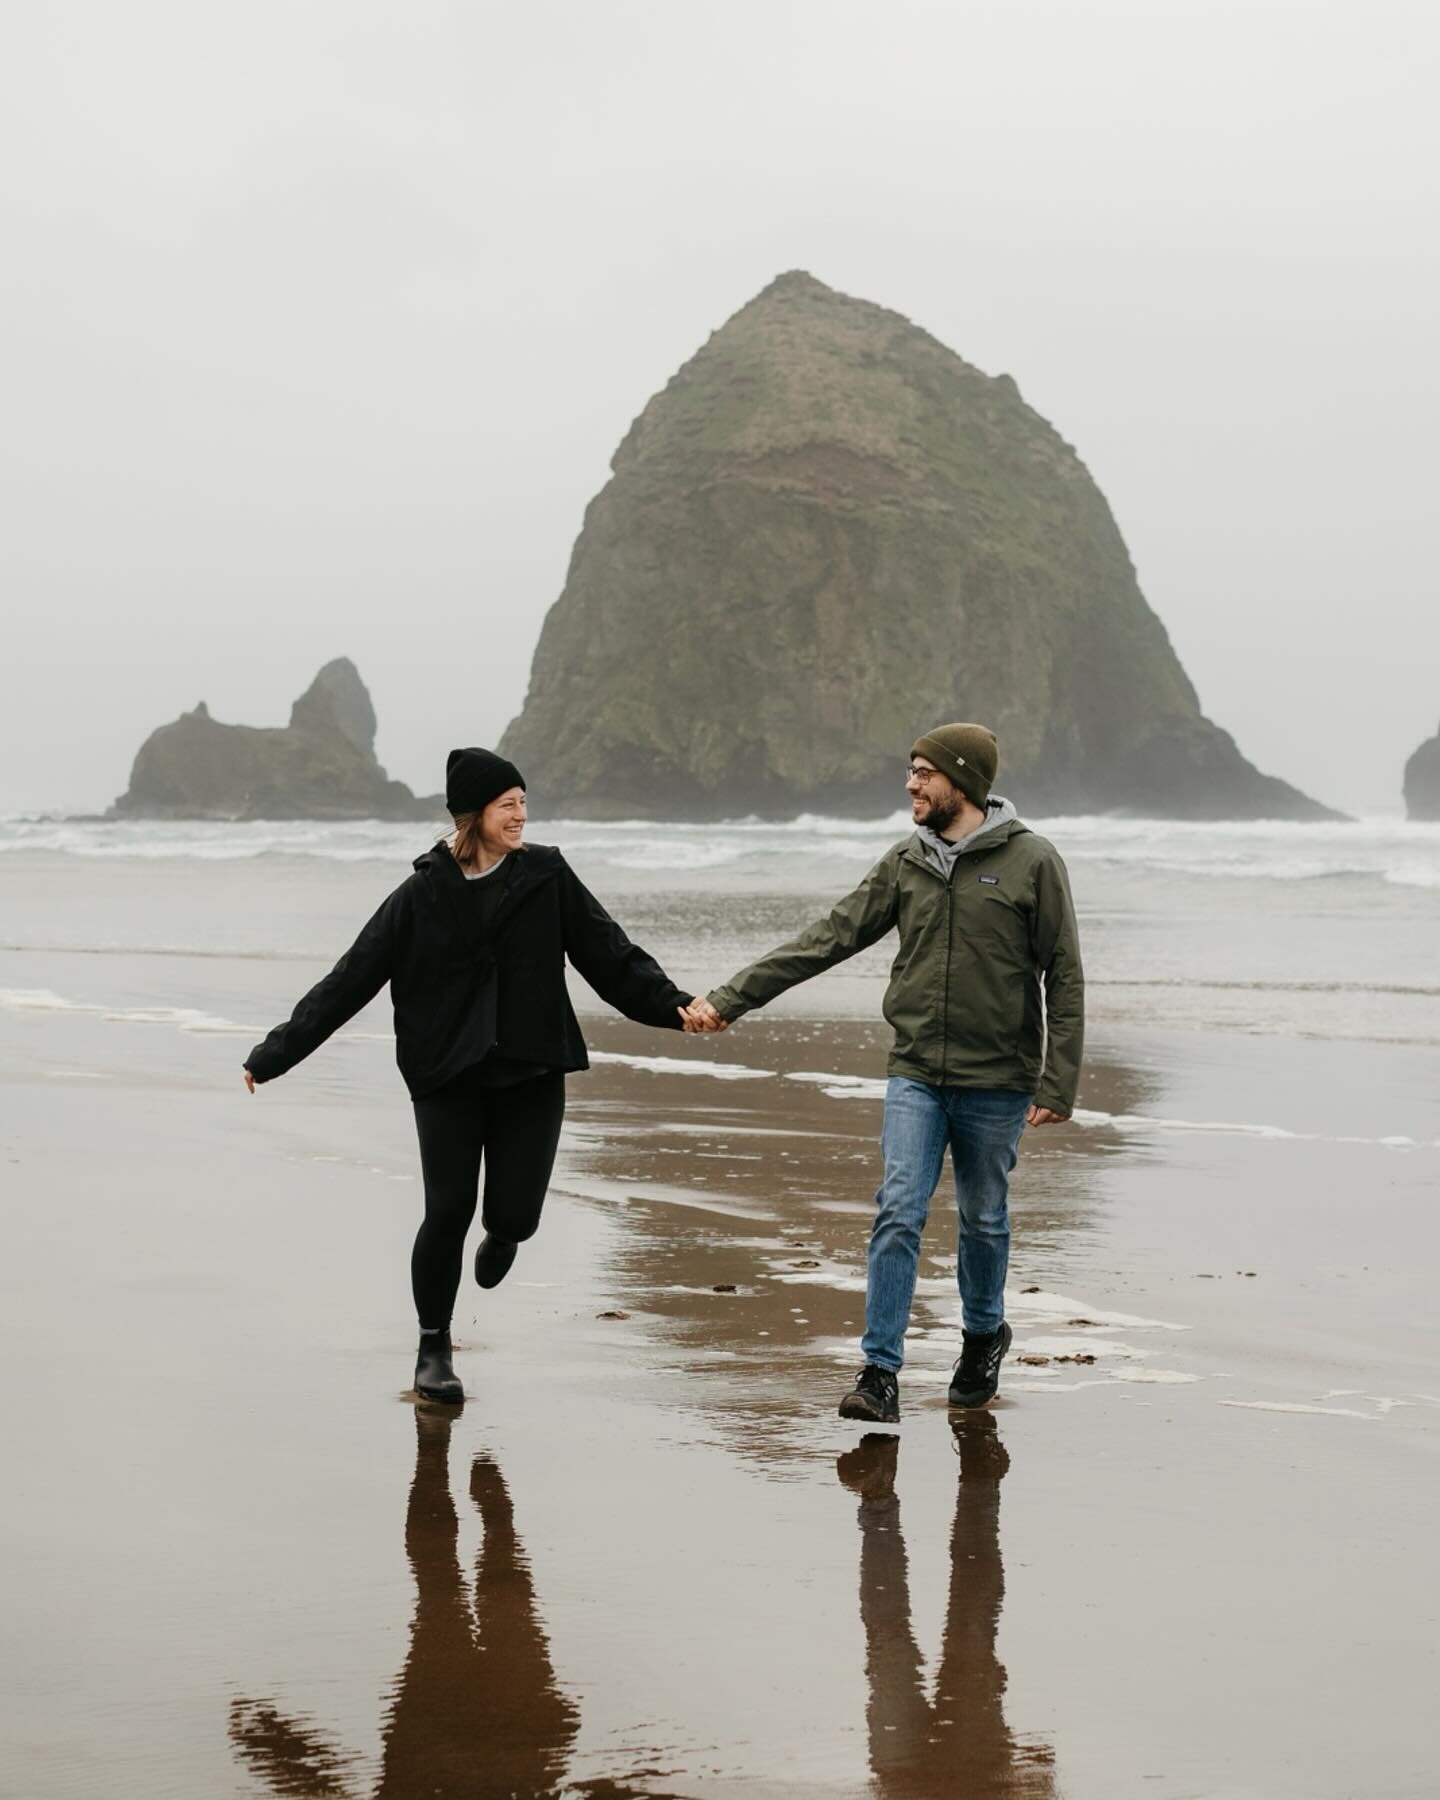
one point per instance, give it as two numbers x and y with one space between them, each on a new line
322 321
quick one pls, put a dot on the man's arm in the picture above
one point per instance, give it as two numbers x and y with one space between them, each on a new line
851 925
1056 941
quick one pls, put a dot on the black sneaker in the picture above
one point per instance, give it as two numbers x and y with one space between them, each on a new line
875 1396
493 1258
977 1372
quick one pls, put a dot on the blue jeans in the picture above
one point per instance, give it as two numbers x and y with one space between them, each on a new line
981 1127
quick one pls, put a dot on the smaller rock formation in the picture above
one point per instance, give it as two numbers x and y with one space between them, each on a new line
320 766
1422 781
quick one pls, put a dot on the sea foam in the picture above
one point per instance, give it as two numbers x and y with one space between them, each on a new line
1395 851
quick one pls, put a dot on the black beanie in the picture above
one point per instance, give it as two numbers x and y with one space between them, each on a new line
473 778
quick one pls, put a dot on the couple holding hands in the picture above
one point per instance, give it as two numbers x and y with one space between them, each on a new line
986 1001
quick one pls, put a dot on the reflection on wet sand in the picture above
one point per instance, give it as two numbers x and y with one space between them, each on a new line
956 1742
477 1711
773 1273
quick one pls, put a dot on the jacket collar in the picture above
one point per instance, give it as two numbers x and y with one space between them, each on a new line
533 867
989 837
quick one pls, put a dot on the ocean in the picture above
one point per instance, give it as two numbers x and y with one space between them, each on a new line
1290 930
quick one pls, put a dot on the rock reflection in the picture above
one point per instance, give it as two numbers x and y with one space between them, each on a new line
956 1742
477 1711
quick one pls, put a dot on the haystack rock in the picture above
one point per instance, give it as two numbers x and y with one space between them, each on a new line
1422 781
827 533
320 766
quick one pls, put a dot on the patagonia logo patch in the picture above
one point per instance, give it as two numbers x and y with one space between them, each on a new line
989 881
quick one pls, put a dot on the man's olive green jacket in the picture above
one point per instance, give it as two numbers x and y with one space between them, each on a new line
988 965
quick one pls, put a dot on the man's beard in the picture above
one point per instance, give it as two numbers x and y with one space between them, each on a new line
940 815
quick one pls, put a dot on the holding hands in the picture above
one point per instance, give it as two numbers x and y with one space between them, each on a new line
700 1015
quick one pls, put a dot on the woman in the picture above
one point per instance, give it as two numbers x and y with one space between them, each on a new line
473 945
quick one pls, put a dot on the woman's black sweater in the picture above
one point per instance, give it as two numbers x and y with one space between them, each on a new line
461 994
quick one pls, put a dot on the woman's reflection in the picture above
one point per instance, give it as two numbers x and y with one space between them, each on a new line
957 1743
477 1712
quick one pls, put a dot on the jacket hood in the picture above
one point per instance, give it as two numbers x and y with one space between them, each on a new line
1001 822
429 860
941 854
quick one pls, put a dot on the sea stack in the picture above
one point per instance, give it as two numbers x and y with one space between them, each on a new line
1422 781
827 533
320 766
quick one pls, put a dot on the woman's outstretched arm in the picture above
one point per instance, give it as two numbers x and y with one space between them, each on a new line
354 981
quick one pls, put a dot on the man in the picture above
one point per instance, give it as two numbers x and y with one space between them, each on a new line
986 1000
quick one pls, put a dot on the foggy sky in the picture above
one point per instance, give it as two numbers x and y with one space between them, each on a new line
322 321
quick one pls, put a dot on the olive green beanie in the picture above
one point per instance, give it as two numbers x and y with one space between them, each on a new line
968 754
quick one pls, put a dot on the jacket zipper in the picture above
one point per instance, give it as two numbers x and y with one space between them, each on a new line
949 944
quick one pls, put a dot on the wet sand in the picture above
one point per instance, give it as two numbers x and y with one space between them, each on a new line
646 1557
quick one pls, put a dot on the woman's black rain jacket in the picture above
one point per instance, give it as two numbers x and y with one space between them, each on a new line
458 996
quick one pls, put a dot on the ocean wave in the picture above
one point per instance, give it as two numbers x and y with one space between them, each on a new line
676 855
1400 852
157 840
1393 851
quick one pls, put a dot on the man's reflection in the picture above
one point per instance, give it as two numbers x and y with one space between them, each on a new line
957 1742
477 1712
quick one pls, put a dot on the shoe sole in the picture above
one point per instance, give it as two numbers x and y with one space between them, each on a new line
978 1397
851 1408
451 1396
487 1276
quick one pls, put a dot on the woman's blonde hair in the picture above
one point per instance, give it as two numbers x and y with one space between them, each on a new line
466 847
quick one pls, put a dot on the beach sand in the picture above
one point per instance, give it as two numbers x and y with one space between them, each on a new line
646 1557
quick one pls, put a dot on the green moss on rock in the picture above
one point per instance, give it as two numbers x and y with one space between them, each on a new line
826 533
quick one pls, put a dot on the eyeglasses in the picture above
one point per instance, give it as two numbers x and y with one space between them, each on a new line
913 772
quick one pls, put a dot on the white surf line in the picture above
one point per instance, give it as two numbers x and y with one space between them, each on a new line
841 1087
187 952
649 1193
184 1018
833 1086
1029 1380
1025 1311
1087 1355
1383 1403
1138 1122
686 1128
683 1065
866 1087
1051 1308
1293 1406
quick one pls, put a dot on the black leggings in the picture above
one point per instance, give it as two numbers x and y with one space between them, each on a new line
517 1129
